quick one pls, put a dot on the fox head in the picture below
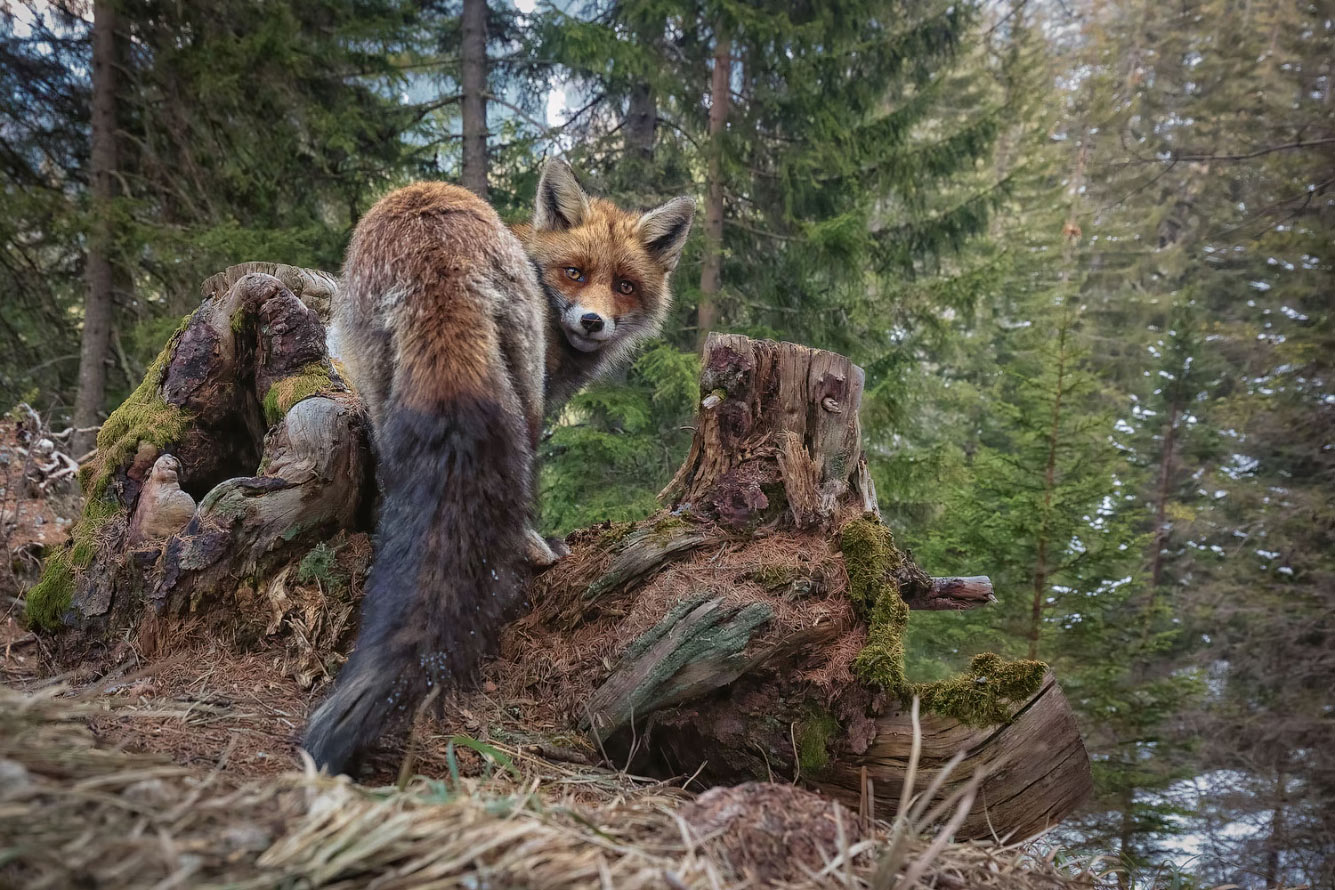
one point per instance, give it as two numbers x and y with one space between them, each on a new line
605 270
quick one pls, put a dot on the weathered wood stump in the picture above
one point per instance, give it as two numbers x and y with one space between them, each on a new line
753 629
243 413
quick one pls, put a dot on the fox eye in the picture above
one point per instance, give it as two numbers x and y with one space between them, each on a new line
574 274
625 287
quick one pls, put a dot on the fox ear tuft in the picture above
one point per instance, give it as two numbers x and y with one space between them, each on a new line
561 203
664 230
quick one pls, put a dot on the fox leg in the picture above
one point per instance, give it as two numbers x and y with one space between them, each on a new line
521 323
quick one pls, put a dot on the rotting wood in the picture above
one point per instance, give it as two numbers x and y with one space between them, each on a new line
696 648
713 680
777 421
644 551
953 594
1036 766
264 433
710 689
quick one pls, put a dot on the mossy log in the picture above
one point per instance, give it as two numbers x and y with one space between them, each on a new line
754 629
751 630
243 413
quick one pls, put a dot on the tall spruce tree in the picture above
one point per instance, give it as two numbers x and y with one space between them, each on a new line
246 130
1216 180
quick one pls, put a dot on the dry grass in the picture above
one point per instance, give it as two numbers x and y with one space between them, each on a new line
74 812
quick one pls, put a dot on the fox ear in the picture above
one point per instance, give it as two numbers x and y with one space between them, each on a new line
664 230
562 204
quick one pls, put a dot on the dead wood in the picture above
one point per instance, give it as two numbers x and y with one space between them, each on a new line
734 636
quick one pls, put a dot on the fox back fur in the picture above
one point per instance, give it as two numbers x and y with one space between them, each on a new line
459 335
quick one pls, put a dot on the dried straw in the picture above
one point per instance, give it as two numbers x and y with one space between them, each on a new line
73 813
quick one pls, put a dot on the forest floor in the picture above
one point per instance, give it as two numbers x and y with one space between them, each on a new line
126 772
186 773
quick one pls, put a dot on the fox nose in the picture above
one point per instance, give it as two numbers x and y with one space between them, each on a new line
591 322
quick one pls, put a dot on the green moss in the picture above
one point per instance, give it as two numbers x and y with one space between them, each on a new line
813 741
982 696
143 417
870 556
881 661
50 597
320 564
311 380
985 694
84 535
773 577
667 528
240 318
615 533
297 528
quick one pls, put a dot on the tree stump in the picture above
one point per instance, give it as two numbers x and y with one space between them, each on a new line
775 419
243 413
750 630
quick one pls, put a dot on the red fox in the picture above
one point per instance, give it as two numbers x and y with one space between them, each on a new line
460 335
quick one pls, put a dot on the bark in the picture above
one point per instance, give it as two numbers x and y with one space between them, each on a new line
473 77
95 340
266 437
775 413
1038 768
711 271
641 123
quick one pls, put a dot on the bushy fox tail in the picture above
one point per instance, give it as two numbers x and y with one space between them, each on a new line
453 460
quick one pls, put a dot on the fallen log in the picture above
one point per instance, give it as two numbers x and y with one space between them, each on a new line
753 629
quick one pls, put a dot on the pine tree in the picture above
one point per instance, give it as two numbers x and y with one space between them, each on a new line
1216 187
247 130
841 169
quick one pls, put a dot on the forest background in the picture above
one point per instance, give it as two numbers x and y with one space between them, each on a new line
1083 249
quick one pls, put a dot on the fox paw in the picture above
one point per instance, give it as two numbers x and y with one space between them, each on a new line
542 552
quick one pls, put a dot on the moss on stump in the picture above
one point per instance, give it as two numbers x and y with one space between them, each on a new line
982 696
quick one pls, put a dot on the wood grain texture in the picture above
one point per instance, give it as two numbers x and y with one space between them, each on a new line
777 431
1037 766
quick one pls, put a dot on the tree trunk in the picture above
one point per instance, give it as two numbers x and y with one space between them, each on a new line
96 337
473 55
1160 540
1041 566
641 123
711 271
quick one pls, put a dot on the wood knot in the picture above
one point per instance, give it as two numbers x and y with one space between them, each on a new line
831 404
